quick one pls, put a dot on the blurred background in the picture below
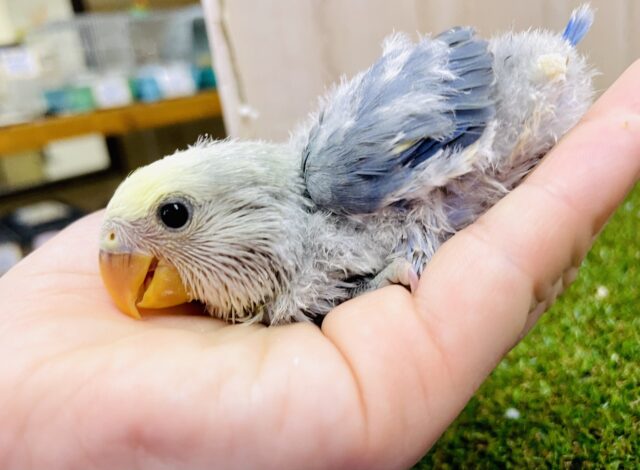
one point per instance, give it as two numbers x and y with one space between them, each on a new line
89 91
92 89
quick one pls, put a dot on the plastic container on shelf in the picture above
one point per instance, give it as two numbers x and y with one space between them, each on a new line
104 60
172 80
204 77
112 90
124 42
20 85
146 88
70 100
98 42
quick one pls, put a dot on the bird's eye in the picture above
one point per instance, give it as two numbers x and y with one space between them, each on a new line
174 214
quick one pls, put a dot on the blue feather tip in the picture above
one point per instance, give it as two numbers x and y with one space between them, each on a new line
579 24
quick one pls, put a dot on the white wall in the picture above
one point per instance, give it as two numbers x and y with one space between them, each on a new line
274 57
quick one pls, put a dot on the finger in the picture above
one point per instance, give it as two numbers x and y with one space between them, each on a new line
417 361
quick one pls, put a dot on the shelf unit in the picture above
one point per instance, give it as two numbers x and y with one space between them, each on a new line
110 122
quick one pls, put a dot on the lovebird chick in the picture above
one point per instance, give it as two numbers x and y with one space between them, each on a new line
397 160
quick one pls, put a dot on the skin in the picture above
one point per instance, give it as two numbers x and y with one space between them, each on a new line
84 386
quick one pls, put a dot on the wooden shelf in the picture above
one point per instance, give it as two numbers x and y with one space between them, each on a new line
115 121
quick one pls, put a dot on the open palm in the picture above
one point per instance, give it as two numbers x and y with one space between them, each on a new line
84 386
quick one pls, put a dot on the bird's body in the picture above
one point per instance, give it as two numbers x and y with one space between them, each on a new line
396 161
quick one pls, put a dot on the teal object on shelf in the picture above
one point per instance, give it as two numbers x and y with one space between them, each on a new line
70 100
204 77
146 89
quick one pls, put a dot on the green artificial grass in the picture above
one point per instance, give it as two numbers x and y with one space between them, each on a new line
568 396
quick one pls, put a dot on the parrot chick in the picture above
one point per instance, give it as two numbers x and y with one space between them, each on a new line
396 161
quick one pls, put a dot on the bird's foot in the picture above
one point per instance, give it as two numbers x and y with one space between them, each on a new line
399 271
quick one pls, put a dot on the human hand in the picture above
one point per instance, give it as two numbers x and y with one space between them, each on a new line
84 386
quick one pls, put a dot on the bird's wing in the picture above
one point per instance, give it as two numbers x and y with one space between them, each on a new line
418 103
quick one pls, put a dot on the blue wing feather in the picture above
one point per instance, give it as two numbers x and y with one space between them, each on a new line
578 25
417 100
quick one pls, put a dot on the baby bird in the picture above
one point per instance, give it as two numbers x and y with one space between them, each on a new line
396 160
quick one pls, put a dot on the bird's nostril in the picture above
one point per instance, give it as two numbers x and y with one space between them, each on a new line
111 237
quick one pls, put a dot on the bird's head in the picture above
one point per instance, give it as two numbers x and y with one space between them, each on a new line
214 223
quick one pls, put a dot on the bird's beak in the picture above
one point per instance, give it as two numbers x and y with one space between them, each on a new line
138 280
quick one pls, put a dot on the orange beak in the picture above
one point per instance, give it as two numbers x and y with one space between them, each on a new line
138 280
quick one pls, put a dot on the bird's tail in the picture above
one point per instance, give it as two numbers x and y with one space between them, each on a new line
579 24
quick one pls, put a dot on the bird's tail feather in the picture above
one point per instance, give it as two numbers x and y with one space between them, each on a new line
579 24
